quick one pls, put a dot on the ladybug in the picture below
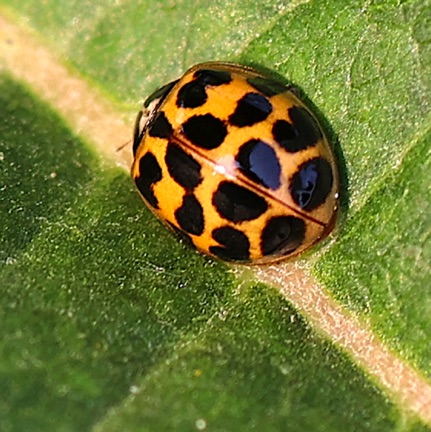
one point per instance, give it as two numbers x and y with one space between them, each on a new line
236 163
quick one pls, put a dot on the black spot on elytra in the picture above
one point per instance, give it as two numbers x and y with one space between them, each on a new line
251 108
259 162
183 168
212 77
160 127
267 86
282 235
236 203
312 183
301 132
234 244
149 173
190 216
205 131
284 133
193 94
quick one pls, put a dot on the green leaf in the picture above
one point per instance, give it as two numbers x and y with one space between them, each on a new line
109 323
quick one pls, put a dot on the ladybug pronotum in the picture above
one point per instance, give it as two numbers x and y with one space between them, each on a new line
236 163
